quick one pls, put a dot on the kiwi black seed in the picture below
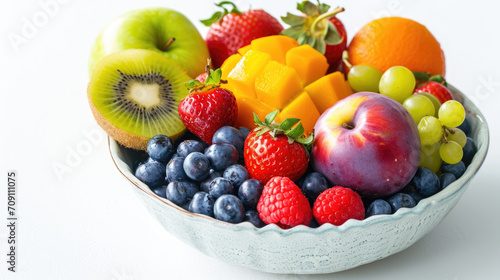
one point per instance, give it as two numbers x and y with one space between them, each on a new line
134 95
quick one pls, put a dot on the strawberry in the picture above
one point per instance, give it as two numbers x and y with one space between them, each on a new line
441 92
208 107
274 149
231 30
282 203
319 28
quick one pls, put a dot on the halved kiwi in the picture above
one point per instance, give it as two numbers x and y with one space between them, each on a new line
134 95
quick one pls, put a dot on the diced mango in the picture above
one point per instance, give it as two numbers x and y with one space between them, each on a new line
242 77
245 49
275 73
229 64
277 46
246 107
327 90
277 84
301 107
308 62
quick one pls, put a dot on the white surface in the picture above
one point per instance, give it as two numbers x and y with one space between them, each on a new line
88 224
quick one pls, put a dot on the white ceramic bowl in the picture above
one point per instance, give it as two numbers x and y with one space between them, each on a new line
304 250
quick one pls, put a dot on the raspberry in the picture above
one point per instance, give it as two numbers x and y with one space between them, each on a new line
282 203
337 205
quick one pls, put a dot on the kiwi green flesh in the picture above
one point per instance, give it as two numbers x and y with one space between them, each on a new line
137 92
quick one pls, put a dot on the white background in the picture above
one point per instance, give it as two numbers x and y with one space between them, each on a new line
88 224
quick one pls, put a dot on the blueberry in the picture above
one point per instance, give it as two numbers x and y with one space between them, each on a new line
250 192
457 169
160 148
400 200
204 185
237 174
174 156
140 159
231 135
176 192
245 131
202 203
196 166
314 223
220 186
185 206
188 146
175 170
426 182
412 191
191 188
252 216
469 150
229 208
151 173
465 127
160 191
445 179
150 159
378 207
221 155
314 184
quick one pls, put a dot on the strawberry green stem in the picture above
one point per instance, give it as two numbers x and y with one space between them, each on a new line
439 79
323 16
421 76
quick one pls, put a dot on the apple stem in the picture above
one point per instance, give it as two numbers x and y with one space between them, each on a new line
170 41
348 126
207 67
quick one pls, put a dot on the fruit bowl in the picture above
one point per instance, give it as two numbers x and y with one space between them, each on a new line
305 250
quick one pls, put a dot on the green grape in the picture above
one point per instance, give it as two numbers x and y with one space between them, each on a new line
434 101
418 106
451 152
430 158
451 113
364 78
398 83
430 130
456 135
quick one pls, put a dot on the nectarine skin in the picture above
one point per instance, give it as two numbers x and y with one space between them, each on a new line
367 142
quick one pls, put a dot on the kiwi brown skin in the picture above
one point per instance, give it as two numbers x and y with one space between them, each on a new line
125 138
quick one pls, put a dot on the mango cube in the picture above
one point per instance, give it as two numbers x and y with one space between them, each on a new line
327 90
301 107
245 49
277 84
309 63
246 107
229 64
242 77
277 46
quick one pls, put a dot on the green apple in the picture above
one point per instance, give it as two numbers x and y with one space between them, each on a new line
159 29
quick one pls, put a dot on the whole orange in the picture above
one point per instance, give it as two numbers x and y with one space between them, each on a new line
392 41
